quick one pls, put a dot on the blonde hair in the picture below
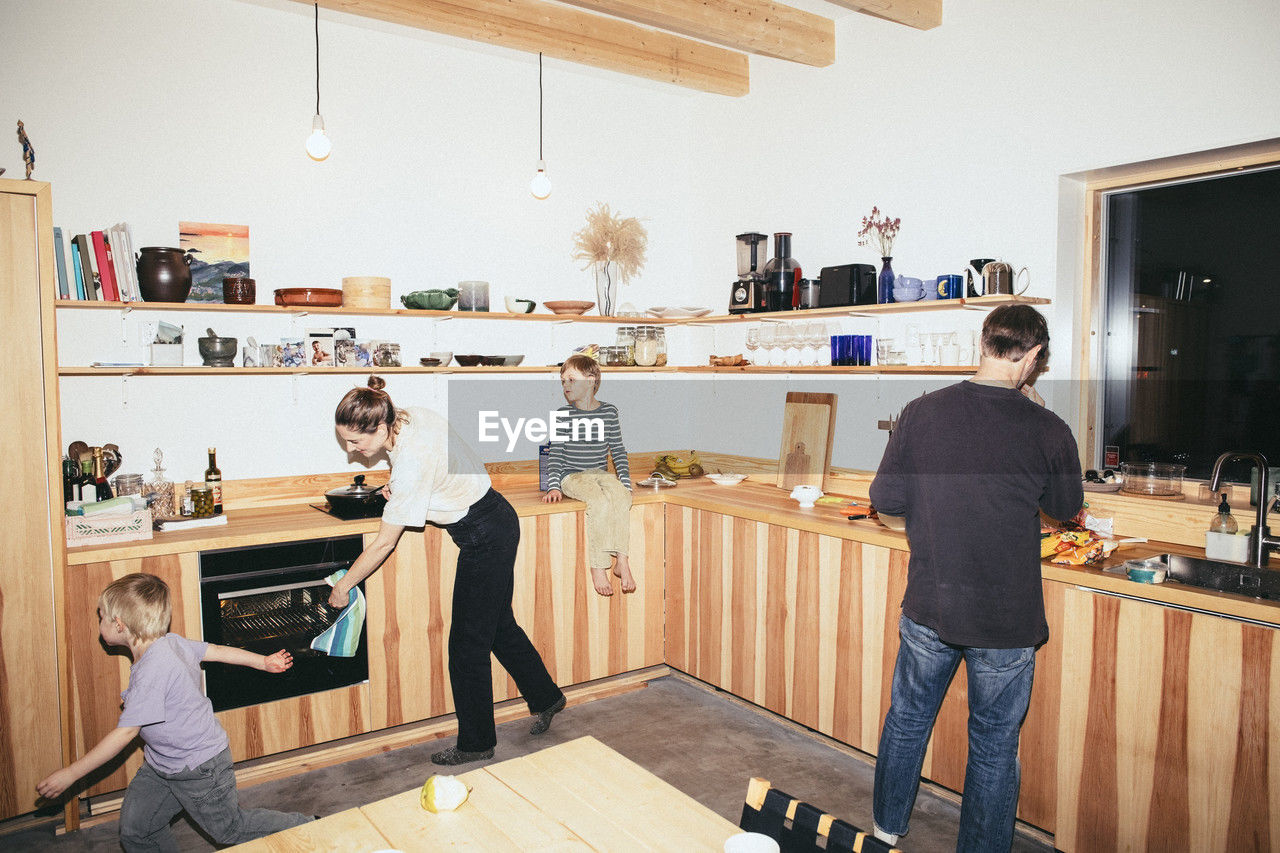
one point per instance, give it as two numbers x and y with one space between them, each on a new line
141 603
364 409
586 365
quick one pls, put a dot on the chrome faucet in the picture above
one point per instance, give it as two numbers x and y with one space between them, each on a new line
1260 539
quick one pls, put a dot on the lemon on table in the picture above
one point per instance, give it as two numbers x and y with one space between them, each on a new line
443 793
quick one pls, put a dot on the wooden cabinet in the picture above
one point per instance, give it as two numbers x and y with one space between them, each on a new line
1169 728
806 625
99 675
30 730
580 635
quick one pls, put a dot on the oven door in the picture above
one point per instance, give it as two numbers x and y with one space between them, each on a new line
251 602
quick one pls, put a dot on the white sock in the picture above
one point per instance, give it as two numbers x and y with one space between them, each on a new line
886 837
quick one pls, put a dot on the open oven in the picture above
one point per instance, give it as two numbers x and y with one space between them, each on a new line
270 597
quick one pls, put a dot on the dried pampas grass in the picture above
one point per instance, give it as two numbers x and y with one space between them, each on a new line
608 237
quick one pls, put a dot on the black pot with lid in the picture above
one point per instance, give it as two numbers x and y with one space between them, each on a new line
356 500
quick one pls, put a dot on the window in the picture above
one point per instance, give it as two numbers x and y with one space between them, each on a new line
1190 313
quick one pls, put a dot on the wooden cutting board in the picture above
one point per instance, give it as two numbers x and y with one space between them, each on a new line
808 429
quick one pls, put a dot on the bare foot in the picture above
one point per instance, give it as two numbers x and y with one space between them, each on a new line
622 568
600 580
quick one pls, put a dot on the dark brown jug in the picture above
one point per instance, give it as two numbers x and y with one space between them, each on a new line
164 274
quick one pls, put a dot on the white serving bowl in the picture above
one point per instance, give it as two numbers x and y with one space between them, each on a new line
726 479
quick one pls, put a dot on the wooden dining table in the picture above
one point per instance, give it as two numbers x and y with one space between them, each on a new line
580 795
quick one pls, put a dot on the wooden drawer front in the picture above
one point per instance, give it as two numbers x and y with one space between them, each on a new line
296 722
807 626
1169 740
580 635
802 624
98 676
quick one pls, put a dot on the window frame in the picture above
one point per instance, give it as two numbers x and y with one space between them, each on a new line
1096 186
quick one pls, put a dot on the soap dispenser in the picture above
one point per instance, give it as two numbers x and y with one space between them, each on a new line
1224 522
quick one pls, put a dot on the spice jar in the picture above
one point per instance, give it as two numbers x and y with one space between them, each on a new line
646 350
627 340
662 346
127 484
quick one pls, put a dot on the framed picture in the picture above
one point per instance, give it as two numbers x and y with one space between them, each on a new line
319 348
216 251
385 354
292 353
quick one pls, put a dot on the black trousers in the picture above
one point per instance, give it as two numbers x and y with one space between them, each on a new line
487 538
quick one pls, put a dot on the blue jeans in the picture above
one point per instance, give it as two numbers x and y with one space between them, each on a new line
999 692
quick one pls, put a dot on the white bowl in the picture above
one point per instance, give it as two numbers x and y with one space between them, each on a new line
727 479
445 357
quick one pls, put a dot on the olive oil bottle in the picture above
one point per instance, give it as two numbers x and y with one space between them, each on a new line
213 479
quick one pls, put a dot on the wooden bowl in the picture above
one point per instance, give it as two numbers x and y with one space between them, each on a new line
569 306
317 297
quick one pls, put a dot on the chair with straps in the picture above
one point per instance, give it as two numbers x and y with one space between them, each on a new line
801 828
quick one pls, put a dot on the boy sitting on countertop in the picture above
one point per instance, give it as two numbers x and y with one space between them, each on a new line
579 468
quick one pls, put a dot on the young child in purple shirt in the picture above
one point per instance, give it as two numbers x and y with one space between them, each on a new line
187 758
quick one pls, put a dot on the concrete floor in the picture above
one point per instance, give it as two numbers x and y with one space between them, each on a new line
704 743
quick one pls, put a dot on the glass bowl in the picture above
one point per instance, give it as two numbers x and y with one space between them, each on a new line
1152 478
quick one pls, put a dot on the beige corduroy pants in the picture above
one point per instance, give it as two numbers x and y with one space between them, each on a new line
608 514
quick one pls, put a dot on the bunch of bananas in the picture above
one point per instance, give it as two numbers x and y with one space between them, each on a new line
672 467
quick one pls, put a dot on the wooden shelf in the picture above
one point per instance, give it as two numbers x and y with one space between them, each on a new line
870 370
300 310
751 370
982 303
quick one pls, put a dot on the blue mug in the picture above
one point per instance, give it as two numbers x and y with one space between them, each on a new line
950 286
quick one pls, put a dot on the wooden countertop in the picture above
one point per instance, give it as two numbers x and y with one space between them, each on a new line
756 501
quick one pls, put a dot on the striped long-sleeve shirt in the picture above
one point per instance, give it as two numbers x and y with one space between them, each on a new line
587 449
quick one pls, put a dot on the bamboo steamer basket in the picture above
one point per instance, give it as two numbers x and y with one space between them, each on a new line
366 291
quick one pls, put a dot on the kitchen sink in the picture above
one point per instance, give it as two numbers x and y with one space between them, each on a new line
1225 577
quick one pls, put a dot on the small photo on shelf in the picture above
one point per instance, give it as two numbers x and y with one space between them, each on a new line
385 354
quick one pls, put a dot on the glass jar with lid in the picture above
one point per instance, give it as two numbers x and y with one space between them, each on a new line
646 338
662 346
627 339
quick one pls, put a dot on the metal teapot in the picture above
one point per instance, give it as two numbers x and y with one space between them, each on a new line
999 277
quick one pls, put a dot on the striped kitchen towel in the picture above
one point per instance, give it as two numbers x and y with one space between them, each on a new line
342 638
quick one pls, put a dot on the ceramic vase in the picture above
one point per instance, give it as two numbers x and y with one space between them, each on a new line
606 276
884 285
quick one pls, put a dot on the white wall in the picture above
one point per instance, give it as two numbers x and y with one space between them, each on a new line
155 112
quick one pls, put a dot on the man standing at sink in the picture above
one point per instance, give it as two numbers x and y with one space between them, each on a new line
971 512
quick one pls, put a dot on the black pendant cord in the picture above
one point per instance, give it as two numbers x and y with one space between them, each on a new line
317 6
539 105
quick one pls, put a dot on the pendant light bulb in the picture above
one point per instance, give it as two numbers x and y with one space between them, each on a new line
540 186
318 145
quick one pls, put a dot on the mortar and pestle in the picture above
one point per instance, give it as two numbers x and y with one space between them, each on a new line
217 351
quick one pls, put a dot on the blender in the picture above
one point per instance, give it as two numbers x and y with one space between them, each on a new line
748 293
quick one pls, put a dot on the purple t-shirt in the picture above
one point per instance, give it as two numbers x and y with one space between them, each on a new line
166 702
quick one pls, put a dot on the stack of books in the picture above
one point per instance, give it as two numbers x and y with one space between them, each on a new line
97 266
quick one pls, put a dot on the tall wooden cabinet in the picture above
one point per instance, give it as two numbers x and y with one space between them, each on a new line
30 564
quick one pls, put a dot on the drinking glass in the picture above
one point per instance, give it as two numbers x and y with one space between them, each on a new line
768 331
818 340
752 343
788 343
884 346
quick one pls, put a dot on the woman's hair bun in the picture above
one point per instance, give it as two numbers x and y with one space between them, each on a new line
377 383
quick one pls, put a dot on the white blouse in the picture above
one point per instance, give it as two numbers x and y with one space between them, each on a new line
435 475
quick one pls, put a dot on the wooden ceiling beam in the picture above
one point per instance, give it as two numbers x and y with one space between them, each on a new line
569 34
921 14
755 26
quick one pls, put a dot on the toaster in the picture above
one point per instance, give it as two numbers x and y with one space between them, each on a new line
847 284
